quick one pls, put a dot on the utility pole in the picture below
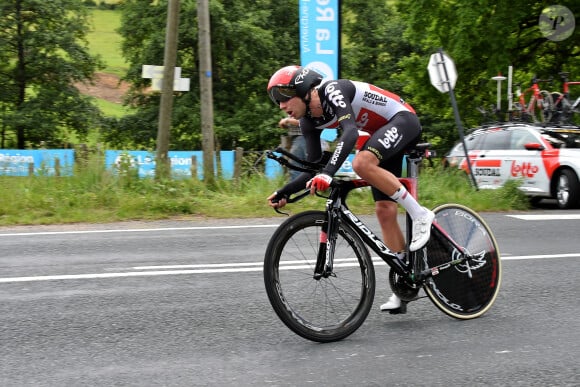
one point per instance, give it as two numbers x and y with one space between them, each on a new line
206 92
162 164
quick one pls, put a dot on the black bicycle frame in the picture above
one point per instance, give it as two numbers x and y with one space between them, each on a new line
337 209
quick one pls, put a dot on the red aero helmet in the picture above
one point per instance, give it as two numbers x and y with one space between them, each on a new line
292 81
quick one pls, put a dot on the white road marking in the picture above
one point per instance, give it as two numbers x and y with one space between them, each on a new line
128 274
201 228
222 268
140 271
546 217
540 256
137 230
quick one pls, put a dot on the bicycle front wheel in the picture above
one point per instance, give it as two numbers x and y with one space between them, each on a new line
466 290
319 309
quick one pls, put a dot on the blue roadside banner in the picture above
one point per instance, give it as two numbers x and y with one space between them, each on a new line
44 162
319 22
181 162
53 162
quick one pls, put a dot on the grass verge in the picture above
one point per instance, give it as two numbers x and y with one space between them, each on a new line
95 195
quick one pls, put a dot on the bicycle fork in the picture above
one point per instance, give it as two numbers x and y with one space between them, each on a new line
328 235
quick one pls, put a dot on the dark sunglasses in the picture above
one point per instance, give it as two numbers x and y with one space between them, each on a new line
282 94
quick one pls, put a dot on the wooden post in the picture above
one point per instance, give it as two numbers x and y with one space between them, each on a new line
218 159
206 90
162 162
56 166
194 167
238 163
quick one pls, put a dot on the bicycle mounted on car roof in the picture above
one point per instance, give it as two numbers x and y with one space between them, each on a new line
536 108
561 107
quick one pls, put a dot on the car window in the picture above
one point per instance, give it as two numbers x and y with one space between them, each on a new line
563 138
496 140
521 137
472 142
458 149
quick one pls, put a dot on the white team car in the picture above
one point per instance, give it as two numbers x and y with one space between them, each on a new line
545 158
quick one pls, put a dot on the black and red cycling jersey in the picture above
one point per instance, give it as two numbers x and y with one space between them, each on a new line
353 106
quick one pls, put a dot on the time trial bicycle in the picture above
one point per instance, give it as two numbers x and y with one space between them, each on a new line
320 277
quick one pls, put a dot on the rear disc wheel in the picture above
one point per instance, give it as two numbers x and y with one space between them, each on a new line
468 289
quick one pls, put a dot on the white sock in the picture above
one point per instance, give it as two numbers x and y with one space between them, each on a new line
405 199
401 255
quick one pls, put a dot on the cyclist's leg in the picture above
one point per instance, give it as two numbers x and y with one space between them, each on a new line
366 165
371 163
387 211
393 237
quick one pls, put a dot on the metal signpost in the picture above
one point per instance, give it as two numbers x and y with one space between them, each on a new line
443 77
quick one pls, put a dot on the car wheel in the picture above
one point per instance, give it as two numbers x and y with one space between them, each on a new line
567 189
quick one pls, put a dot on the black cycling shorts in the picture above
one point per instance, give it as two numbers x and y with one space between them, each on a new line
390 142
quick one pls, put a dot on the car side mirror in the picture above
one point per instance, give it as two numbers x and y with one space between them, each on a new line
534 146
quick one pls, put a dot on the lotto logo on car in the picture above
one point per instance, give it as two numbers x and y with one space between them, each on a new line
524 169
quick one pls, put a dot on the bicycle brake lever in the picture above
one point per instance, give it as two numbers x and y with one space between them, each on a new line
293 199
281 212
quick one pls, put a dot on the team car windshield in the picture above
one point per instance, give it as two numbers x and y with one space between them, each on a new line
562 138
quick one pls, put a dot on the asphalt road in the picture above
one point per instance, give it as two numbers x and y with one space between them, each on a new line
183 304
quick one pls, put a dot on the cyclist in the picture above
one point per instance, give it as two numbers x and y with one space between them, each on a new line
353 106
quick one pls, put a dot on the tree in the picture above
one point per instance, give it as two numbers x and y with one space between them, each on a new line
250 39
43 52
373 43
483 37
384 42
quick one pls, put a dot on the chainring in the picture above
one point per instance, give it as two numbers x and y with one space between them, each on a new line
402 288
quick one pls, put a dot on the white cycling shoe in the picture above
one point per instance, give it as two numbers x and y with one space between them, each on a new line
421 231
394 306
